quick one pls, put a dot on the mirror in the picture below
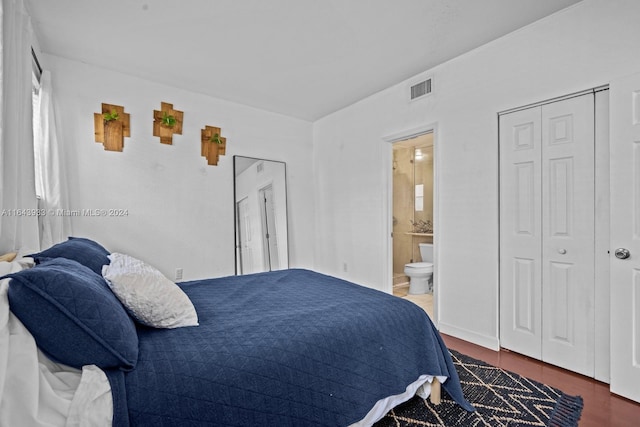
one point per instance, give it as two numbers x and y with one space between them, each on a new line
260 192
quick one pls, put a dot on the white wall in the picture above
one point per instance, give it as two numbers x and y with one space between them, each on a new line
180 210
581 47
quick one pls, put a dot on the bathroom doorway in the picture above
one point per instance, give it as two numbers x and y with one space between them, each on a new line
413 213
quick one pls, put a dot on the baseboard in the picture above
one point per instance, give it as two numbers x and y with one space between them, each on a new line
491 343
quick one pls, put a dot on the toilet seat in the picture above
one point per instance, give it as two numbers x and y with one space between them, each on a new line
423 267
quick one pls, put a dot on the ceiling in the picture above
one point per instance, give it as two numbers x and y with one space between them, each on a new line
301 58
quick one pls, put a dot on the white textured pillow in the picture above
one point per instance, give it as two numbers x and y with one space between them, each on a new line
151 298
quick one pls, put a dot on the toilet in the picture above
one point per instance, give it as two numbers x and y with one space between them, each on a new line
421 273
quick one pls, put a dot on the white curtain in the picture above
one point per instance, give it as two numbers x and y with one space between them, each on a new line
18 204
51 183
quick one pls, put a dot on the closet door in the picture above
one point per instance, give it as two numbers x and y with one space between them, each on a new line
521 232
547 233
568 239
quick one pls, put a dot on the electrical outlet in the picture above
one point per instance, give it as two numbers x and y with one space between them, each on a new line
178 273
344 267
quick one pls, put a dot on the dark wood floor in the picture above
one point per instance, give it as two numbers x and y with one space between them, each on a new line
601 408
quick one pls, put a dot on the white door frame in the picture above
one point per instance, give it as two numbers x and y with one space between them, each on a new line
387 211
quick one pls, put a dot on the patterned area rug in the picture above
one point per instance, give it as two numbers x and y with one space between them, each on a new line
501 398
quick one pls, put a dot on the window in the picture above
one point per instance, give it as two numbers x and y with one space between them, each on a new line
36 72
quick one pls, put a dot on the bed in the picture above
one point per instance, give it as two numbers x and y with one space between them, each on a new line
286 348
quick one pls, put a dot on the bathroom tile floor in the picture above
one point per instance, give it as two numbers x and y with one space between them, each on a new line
425 301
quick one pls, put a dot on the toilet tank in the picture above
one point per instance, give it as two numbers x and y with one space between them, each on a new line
426 252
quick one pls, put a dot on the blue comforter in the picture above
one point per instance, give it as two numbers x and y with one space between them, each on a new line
286 348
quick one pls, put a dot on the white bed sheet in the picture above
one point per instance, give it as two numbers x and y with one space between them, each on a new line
421 387
34 391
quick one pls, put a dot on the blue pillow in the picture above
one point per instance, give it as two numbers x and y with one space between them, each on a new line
85 251
73 315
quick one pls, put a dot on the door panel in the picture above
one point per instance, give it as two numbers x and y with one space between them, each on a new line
526 199
244 236
520 232
560 197
524 305
568 187
625 233
560 307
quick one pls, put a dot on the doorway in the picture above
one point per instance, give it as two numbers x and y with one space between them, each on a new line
412 219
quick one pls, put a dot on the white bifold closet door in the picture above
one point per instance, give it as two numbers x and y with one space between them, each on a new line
547 199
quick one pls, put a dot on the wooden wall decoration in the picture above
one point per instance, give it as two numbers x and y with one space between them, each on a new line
167 122
111 126
213 144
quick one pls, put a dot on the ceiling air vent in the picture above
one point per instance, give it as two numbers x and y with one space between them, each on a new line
421 89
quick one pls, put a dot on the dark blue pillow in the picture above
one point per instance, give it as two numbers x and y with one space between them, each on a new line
73 315
85 251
